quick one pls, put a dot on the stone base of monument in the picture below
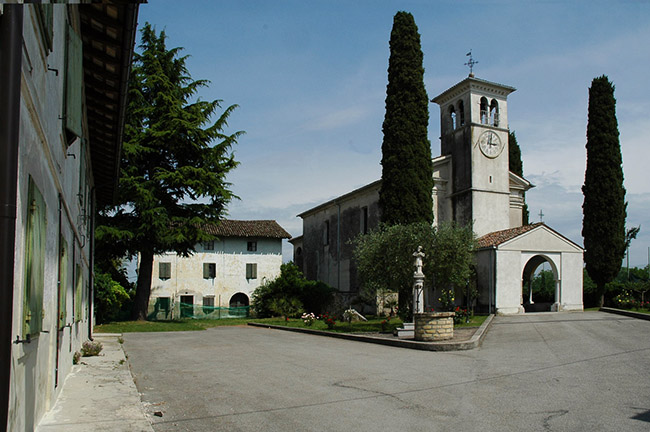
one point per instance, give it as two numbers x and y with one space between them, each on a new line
434 326
406 332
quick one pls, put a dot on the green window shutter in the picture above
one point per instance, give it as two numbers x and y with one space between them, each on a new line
251 271
73 84
78 295
63 282
45 19
209 270
164 270
35 237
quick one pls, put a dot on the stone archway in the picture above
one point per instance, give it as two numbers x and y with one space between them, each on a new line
547 301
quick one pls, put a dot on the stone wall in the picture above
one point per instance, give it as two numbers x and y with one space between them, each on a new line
434 326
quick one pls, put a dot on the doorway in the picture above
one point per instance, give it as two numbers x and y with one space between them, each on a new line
187 306
540 285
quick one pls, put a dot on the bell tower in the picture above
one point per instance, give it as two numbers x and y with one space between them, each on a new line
474 132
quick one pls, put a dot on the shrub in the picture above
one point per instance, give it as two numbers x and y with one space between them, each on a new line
291 293
91 348
329 320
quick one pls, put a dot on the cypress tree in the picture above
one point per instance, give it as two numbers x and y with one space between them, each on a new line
604 207
174 163
407 171
514 155
517 166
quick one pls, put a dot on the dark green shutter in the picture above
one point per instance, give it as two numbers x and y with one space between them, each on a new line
35 237
209 270
165 270
73 85
63 282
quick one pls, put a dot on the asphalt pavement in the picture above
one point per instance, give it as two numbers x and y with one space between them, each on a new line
535 372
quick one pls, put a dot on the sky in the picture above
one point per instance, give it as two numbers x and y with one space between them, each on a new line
309 78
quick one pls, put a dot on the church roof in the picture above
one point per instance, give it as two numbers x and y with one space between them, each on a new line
247 228
497 237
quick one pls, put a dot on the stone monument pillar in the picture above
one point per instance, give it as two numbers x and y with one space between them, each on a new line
418 282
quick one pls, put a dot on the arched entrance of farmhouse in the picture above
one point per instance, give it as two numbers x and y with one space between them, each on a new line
239 305
540 285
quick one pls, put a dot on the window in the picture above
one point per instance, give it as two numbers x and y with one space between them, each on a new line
364 220
35 233
452 116
208 304
461 112
209 270
63 280
73 76
326 233
252 246
251 271
484 111
78 294
44 17
209 245
494 113
162 303
164 270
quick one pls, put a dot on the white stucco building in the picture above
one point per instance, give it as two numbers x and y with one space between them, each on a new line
472 186
63 76
221 274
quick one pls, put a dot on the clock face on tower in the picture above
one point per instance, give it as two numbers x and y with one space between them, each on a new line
490 144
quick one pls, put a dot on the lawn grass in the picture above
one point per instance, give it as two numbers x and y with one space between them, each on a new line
175 325
474 321
373 325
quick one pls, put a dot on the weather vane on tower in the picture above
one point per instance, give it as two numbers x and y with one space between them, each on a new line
470 63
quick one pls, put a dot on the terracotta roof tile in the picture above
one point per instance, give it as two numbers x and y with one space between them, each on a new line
248 228
498 237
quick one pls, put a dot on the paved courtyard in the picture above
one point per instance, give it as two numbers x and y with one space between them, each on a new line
538 372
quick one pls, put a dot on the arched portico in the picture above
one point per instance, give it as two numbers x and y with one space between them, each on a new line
506 261
528 274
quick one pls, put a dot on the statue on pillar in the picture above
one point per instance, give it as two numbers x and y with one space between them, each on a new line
418 284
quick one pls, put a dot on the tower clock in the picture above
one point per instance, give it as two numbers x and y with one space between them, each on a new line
474 132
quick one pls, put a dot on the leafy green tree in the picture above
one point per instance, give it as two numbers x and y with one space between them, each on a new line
517 166
543 285
604 207
290 294
453 256
407 171
384 259
174 164
110 298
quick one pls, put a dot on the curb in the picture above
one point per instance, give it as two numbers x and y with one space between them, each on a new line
473 342
628 313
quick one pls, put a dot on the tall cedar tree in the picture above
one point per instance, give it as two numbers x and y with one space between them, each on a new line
604 207
516 166
174 164
407 171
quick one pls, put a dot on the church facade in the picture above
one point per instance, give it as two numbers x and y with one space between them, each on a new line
472 186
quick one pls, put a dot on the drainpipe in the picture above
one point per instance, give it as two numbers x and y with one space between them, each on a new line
11 45
91 270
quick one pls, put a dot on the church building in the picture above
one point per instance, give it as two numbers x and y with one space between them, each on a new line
472 185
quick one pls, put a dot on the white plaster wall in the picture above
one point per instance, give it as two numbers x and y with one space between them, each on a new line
572 281
43 156
508 290
230 256
490 211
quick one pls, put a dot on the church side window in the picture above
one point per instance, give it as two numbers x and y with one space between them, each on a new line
452 117
484 111
494 113
461 112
